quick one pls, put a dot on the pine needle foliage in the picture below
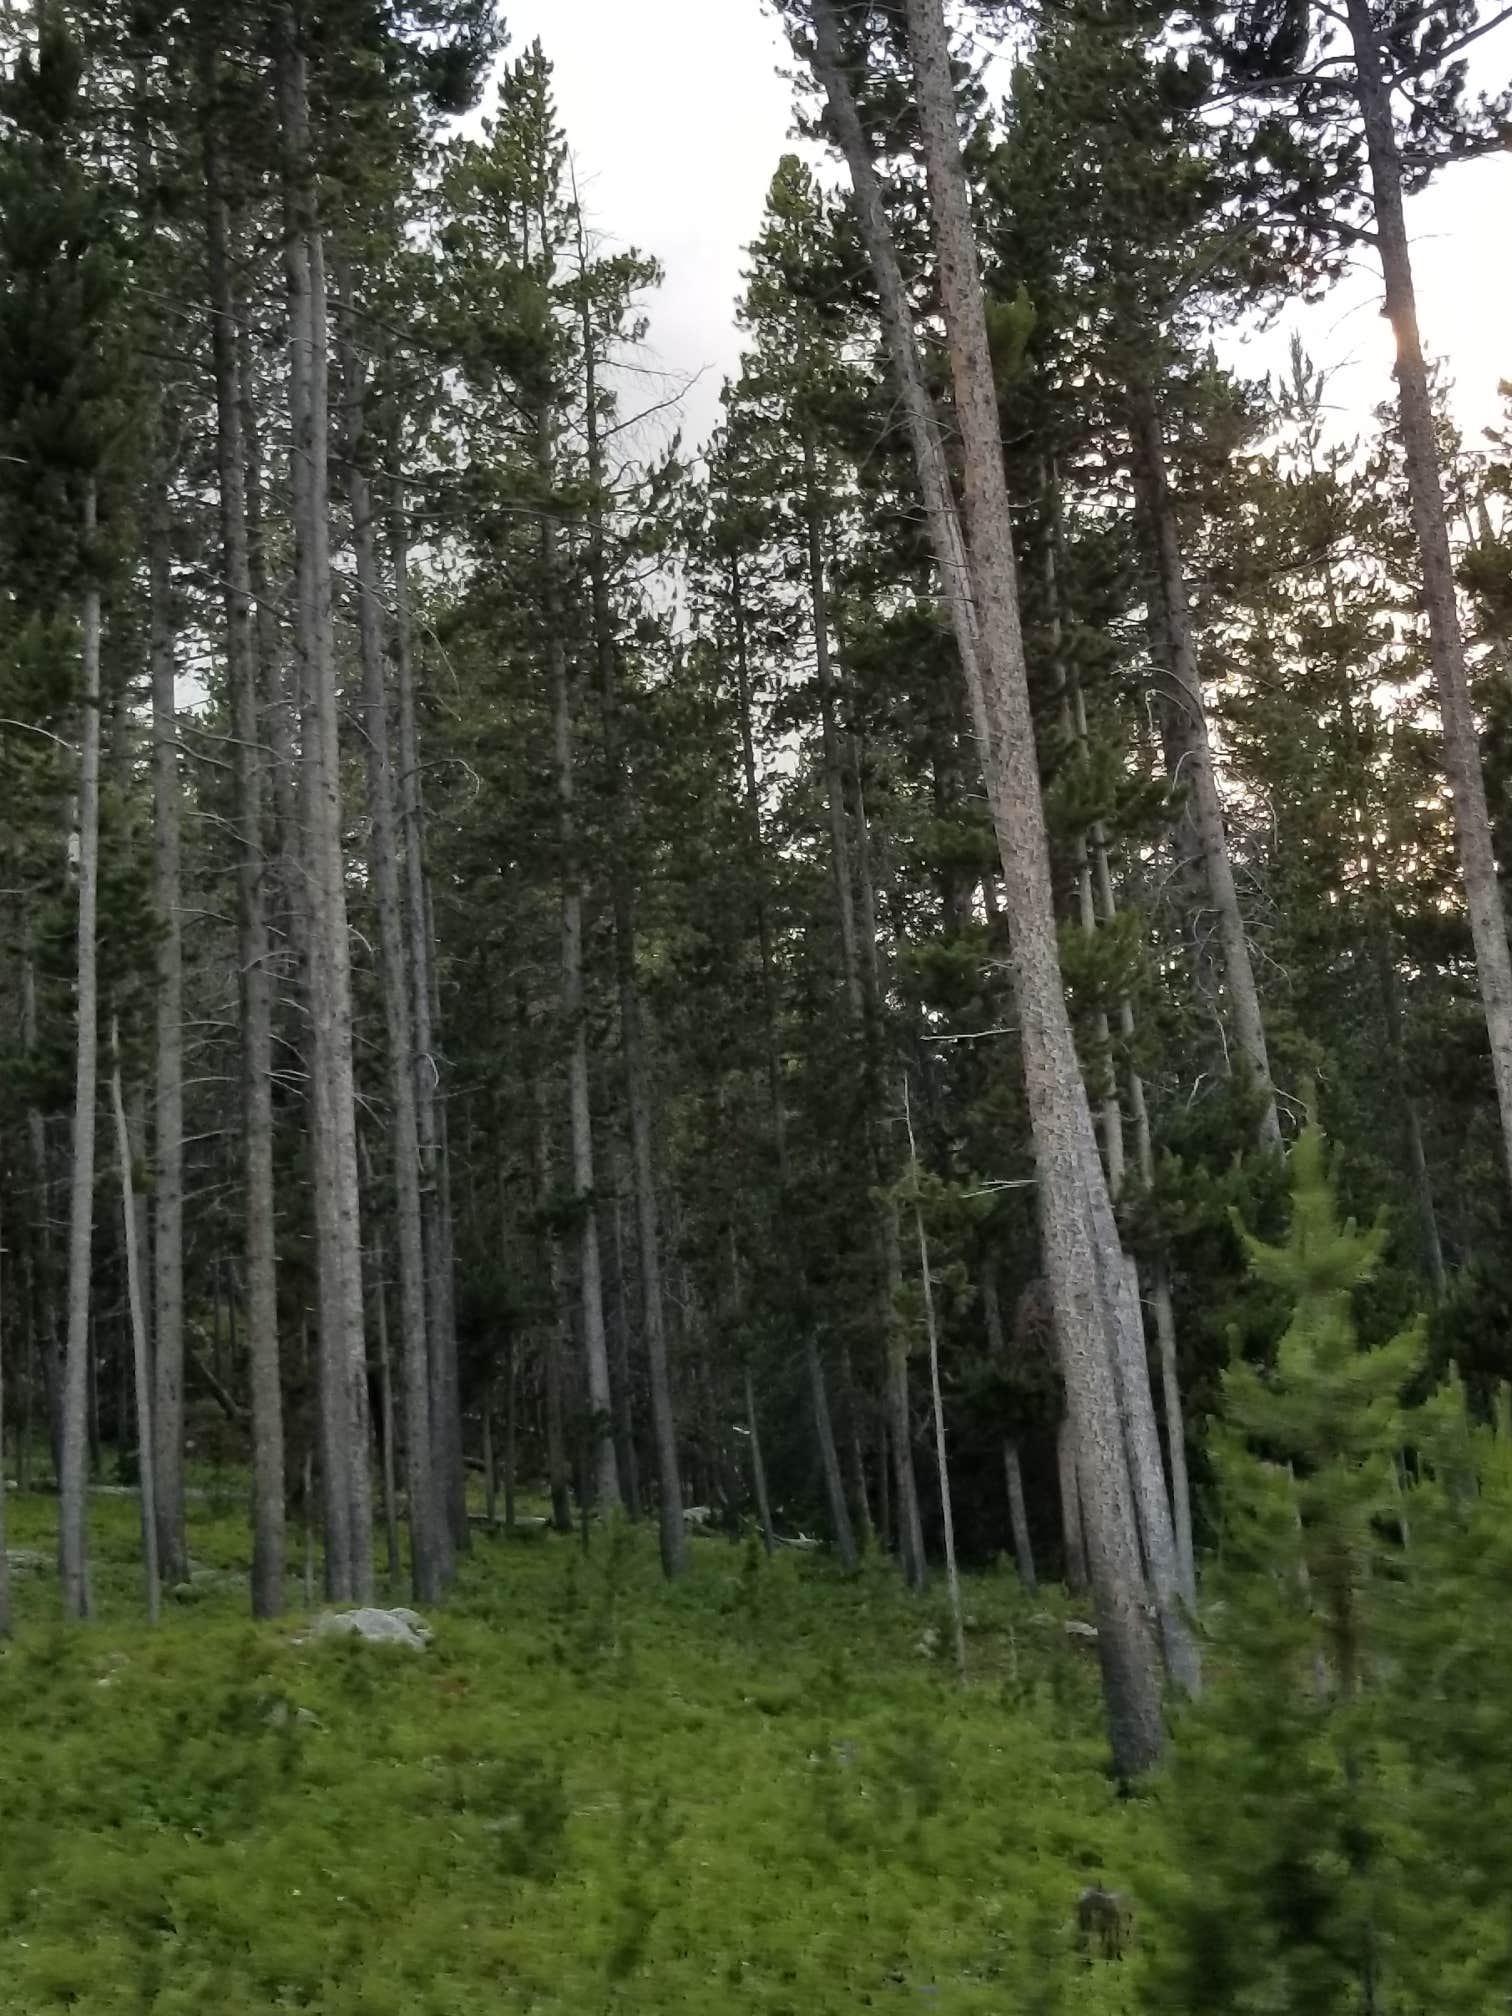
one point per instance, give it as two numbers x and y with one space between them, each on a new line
1272 1801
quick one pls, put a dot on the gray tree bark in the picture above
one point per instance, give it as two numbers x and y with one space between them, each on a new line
5 1612
579 1106
242 666
168 1192
937 1405
445 1390
1462 756
388 1450
1082 1257
1013 1472
1073 1541
671 1528
44 1279
842 1534
426 1560
345 1474
910 1525
558 1333
758 1467
141 1354
834 769
1018 1514
73 1536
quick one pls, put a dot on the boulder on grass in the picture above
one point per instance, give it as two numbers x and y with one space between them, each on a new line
378 1627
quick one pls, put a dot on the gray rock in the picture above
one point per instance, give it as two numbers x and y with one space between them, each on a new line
281 1714
28 1561
378 1627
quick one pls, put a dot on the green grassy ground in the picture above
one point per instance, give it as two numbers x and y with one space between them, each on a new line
758 1791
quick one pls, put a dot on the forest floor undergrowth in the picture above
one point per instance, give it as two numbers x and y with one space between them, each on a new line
760 1789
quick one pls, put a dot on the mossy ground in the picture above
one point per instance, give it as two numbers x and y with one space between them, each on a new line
759 1790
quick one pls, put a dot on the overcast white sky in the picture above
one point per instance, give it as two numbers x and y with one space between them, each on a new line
676 114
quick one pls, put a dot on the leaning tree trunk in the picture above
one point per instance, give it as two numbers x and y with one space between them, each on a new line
168 1160
140 1350
1082 1255
346 1477
1197 756
426 1559
254 950
937 1405
1462 756
841 1531
73 1539
1164 1560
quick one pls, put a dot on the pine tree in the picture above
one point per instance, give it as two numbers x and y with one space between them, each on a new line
1281 1892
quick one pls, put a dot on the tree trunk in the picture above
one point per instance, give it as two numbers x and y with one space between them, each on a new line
622 1376
1462 756
672 1527
345 1470
1018 1514
841 1533
168 1192
947 1515
559 1331
44 1280
758 1467
140 1351
1073 1541
1180 1502
605 1480
73 1537
242 666
1157 1527
1074 728
451 1464
604 1467
445 1390
856 1453
1082 1257
1196 769
997 1345
511 1430
834 773
426 1560
5 1615
388 1452
490 1474
910 1526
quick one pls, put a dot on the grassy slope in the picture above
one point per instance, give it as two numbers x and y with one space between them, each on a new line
758 1791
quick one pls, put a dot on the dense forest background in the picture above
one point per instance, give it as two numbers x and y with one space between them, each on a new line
857 985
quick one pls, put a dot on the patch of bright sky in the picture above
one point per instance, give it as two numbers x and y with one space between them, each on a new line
677 112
